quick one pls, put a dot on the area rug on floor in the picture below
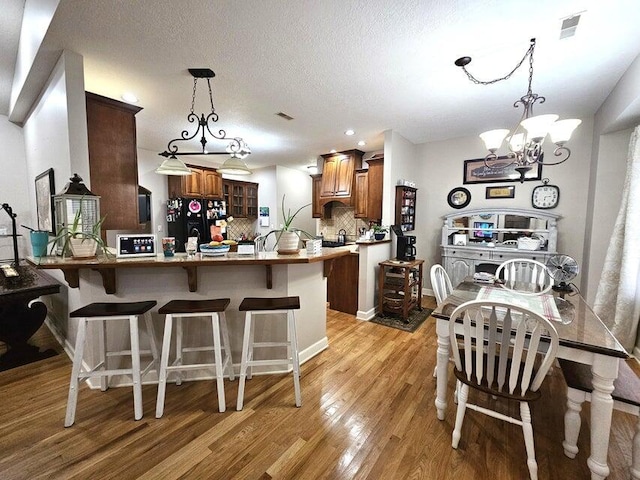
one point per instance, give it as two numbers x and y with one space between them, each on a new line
416 318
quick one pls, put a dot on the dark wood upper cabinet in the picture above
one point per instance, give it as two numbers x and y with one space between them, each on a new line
241 198
202 183
338 176
368 190
113 160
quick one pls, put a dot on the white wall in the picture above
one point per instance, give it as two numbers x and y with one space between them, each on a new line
441 165
296 186
13 187
148 161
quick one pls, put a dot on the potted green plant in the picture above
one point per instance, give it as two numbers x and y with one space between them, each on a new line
379 232
288 237
78 242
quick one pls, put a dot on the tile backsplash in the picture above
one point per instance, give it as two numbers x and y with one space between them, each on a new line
342 218
240 226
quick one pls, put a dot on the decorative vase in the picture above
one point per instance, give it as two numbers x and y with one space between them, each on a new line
288 243
379 236
83 247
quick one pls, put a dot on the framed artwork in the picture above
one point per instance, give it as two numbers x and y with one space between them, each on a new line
475 171
505 191
45 188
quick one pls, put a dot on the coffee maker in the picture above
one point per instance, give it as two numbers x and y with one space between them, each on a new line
405 246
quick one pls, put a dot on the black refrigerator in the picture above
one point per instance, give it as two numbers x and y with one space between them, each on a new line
195 217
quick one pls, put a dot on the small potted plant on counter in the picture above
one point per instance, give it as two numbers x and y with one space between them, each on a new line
379 232
79 242
288 237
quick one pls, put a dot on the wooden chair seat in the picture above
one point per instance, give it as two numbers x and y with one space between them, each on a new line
113 309
195 306
276 303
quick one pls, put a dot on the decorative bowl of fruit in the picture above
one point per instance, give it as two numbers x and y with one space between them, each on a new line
216 248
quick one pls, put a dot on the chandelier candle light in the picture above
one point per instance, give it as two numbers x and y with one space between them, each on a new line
237 149
525 141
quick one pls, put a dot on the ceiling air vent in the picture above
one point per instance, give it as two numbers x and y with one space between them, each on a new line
569 26
284 115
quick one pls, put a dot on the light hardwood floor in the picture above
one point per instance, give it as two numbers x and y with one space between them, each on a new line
367 412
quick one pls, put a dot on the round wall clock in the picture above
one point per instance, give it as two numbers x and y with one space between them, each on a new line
459 197
545 196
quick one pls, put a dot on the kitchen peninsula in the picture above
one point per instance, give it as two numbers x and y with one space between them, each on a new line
233 276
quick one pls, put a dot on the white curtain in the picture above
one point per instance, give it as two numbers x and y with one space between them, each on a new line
617 300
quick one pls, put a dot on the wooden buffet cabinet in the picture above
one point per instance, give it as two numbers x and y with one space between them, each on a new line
113 160
462 257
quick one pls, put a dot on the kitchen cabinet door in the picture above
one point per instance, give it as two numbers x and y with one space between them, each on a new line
251 191
338 174
193 184
361 194
212 184
113 161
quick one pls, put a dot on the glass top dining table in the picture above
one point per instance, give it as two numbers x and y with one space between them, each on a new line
583 338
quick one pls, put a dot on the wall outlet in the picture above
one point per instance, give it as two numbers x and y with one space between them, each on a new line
159 228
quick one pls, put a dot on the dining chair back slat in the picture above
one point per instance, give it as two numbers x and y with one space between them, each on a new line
524 271
440 283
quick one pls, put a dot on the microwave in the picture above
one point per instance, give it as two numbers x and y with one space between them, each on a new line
136 245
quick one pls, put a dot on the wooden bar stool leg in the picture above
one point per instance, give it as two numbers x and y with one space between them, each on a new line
102 340
217 353
226 343
178 360
252 336
135 367
164 361
72 399
244 359
153 340
293 342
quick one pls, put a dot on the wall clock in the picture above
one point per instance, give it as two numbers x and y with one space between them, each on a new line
459 197
545 196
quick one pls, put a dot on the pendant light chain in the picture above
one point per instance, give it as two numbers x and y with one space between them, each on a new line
508 75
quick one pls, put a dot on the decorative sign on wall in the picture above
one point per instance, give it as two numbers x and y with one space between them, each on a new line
264 216
504 191
475 171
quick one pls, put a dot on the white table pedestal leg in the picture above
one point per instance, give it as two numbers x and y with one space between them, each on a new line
604 371
442 360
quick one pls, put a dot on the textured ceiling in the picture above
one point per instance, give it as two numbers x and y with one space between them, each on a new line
370 65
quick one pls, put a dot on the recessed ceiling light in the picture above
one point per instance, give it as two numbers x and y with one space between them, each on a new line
333 150
362 143
349 132
129 97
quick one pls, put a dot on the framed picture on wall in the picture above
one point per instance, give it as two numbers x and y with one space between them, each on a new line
504 191
502 170
45 188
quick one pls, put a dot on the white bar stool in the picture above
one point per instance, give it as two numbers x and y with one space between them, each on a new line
267 306
180 309
103 312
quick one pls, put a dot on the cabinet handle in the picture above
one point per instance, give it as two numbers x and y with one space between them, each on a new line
480 254
500 256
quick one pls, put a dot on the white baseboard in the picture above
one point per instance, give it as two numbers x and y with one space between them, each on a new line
366 315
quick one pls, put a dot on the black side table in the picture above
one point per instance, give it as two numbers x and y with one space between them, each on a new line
19 319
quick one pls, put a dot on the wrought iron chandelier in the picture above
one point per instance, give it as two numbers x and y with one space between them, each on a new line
237 149
526 139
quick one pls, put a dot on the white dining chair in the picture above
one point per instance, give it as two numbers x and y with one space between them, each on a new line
519 271
440 283
501 364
